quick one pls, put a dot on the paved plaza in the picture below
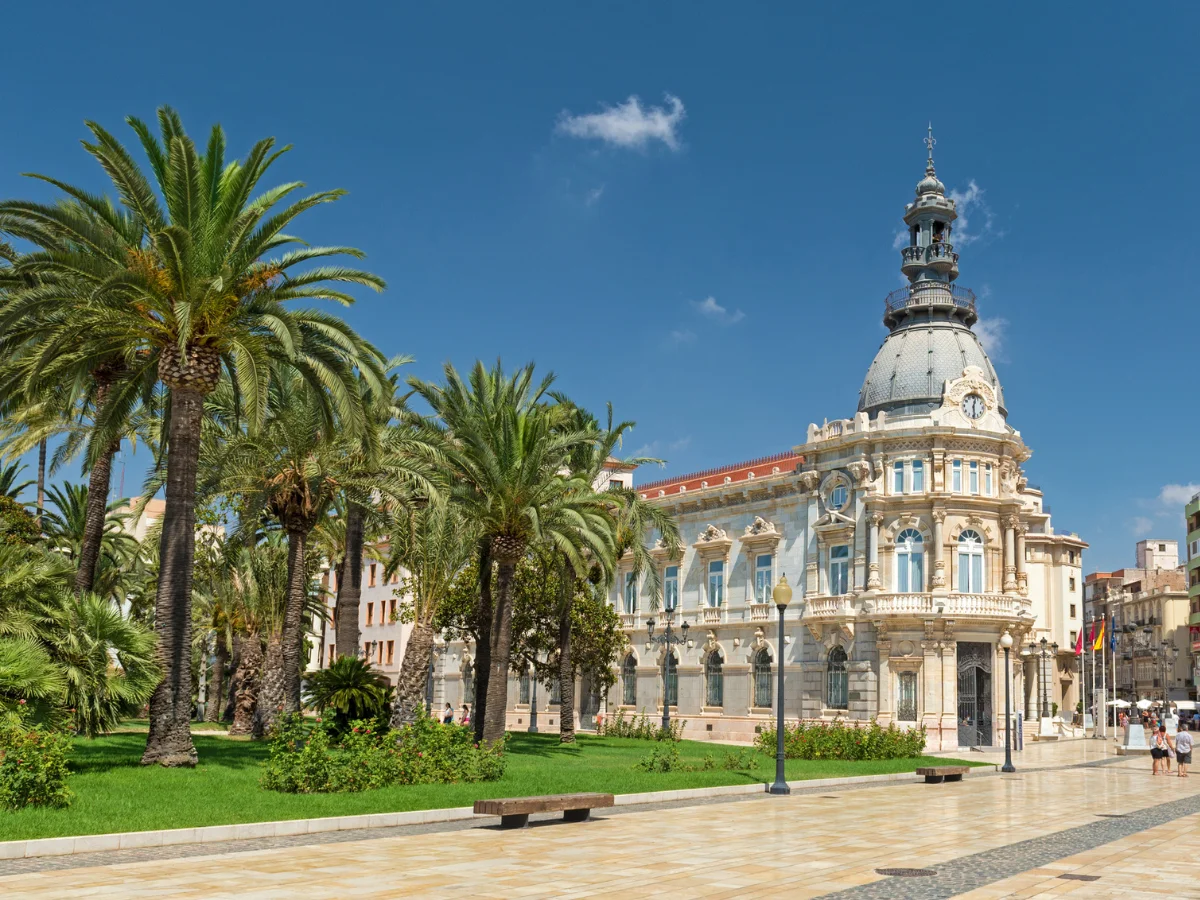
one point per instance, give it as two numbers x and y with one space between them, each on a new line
1075 820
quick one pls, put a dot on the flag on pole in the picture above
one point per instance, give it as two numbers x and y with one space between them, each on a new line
1079 645
1112 642
1099 642
1092 635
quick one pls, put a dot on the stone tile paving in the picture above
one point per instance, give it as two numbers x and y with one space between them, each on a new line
806 845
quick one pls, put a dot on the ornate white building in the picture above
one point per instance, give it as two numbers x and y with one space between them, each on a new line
908 530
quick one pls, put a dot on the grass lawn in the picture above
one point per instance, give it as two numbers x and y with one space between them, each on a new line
114 793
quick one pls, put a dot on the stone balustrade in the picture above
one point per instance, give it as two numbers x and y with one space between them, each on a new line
953 604
760 612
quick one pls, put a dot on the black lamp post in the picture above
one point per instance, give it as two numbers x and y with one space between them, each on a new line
782 595
667 639
533 729
1006 642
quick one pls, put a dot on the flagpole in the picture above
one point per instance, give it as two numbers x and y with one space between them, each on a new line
1104 688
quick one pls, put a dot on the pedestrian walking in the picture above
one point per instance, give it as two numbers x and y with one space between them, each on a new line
448 715
1183 750
1158 749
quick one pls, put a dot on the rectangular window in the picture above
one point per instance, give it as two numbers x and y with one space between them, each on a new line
987 479
630 593
906 705
898 479
839 570
379 652
1072 615
1072 583
395 578
716 582
973 478
370 613
1074 637
372 581
671 588
763 578
391 652
918 477
367 651
332 653
392 610
956 476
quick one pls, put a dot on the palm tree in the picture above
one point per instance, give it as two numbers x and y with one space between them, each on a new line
184 275
507 463
10 486
348 690
431 546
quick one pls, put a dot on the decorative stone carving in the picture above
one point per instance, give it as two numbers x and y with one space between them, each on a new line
713 543
760 527
711 533
711 643
939 516
860 470
809 480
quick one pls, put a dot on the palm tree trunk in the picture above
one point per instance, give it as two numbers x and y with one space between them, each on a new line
273 688
41 481
99 481
414 670
566 667
235 662
495 715
212 712
349 589
293 619
170 740
483 641
246 677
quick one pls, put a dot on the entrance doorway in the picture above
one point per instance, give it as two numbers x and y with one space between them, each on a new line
974 694
589 703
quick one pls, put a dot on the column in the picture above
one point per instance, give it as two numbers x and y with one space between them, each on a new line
939 551
1010 567
1022 576
949 654
873 582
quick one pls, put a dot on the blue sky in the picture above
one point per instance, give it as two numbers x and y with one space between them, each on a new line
712 259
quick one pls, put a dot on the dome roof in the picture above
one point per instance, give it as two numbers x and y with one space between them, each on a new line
930 184
914 363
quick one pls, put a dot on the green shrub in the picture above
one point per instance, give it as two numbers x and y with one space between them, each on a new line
310 760
33 763
838 740
641 728
663 759
347 690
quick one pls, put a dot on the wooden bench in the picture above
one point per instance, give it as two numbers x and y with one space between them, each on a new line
938 774
514 811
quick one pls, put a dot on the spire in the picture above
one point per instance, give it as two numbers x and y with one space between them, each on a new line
929 141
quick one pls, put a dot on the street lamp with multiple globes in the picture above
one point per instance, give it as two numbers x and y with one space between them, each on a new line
1006 642
668 638
782 595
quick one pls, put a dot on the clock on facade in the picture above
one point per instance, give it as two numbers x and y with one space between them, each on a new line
973 406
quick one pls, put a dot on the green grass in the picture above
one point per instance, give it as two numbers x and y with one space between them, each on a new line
143 726
114 793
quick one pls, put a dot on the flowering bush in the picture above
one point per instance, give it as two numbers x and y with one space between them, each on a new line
641 728
304 760
33 763
838 740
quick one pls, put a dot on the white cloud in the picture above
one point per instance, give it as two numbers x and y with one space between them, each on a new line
1141 526
593 195
629 124
681 336
711 309
900 241
991 333
656 448
973 206
1175 495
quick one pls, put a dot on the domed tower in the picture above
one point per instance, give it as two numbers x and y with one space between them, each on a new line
930 340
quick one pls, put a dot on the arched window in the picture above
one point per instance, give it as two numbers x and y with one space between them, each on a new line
714 680
910 561
468 674
970 562
672 688
629 681
837 684
523 687
762 678
556 691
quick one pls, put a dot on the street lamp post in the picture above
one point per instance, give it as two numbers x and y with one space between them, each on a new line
533 729
667 639
782 595
1006 642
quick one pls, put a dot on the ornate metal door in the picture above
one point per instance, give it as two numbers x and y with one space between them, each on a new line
589 703
974 694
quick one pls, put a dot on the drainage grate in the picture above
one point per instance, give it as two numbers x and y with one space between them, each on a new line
906 873
1079 877
1113 815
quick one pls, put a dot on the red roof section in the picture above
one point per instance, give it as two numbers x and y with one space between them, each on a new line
762 467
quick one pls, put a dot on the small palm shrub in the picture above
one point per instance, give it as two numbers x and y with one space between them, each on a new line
641 728
347 691
33 763
303 759
838 740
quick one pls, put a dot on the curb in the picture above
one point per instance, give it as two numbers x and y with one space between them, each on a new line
67 846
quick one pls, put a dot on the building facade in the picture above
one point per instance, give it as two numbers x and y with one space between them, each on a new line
1192 516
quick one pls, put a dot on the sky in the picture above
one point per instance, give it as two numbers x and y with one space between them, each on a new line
689 209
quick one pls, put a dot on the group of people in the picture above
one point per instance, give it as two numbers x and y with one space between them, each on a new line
448 715
1164 747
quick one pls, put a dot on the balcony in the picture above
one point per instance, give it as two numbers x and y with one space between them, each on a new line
922 605
938 255
760 612
711 615
927 295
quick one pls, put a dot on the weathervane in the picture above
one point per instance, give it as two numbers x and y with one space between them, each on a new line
929 142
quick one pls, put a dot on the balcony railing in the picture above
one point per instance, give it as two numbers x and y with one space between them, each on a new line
926 605
711 615
925 255
760 612
929 293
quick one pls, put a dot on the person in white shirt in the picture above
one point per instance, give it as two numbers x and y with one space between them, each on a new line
1183 750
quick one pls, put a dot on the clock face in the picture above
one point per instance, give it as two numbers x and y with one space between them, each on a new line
972 406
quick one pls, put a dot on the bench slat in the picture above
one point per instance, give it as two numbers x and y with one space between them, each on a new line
510 806
943 770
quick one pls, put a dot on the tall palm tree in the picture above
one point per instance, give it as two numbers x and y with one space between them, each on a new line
10 484
507 464
431 546
186 273
67 527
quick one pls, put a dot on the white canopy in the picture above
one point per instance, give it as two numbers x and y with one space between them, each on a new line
1184 704
1145 704
1121 704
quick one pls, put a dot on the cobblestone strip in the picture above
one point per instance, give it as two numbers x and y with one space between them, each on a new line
967 873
